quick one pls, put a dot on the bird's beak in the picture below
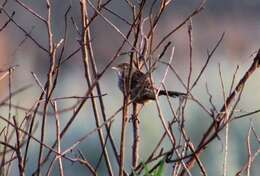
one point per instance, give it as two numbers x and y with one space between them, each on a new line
115 68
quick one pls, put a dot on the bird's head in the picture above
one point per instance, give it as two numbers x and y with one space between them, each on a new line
122 69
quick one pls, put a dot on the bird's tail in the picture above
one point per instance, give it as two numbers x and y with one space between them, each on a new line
173 94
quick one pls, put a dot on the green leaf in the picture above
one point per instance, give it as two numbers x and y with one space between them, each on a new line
160 168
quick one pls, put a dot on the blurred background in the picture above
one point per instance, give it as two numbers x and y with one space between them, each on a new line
238 19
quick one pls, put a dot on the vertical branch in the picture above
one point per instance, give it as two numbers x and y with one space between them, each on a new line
98 88
190 53
57 120
82 102
10 97
226 145
137 22
123 130
136 135
226 129
85 56
9 117
249 151
134 58
2 168
50 81
251 156
18 150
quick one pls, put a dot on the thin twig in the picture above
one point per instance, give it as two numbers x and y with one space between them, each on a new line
195 12
57 120
223 117
85 58
207 61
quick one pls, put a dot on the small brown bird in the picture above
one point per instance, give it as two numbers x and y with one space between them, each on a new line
142 89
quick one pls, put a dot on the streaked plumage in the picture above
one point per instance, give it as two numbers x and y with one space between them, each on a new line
141 86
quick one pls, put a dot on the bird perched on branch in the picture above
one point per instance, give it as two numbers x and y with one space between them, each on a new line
142 88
